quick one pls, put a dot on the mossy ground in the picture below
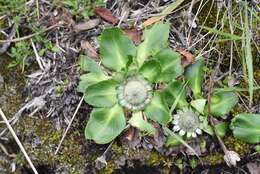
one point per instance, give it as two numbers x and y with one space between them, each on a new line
41 140
150 158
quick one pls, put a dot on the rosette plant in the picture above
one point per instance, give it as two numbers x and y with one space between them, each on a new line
191 117
126 87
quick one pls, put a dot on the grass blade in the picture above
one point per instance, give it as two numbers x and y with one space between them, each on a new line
221 33
248 57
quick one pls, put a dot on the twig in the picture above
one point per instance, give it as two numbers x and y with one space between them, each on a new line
224 148
29 36
38 58
18 141
67 129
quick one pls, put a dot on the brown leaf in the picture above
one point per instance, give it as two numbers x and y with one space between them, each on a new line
134 35
130 134
187 57
66 17
152 20
107 15
86 25
89 49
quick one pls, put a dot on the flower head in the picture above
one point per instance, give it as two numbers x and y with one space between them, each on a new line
186 121
134 93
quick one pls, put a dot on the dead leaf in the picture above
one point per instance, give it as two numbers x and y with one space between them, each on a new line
107 15
130 134
158 139
66 17
131 137
89 49
164 13
134 35
152 20
187 57
86 25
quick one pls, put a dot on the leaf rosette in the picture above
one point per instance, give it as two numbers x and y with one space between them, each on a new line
127 80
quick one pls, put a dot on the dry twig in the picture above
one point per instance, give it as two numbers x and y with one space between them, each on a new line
31 35
18 141
66 131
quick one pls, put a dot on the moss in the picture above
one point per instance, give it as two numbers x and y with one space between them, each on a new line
117 149
238 146
211 20
233 144
10 93
109 169
256 98
237 110
179 163
150 158
213 159
41 140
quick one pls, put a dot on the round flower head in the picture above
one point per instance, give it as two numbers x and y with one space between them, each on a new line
188 122
134 93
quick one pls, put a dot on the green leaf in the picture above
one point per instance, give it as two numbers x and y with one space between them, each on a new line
221 103
172 141
246 127
157 110
221 129
172 92
105 124
138 122
151 70
102 94
170 62
248 57
89 79
257 148
88 64
155 39
115 49
194 75
199 105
